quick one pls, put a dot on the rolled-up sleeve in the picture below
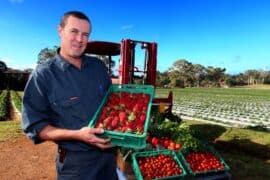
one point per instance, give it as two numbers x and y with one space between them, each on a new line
36 107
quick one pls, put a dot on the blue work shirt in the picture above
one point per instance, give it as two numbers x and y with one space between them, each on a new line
59 94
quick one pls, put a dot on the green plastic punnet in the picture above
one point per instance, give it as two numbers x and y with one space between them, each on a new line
181 155
131 140
138 173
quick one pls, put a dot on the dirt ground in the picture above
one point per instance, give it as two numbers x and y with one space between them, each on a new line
20 159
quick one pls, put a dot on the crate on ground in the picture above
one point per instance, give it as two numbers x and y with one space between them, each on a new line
144 154
126 139
203 173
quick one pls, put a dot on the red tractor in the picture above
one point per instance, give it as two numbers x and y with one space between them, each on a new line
128 71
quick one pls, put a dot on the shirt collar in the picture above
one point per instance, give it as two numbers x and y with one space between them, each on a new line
63 64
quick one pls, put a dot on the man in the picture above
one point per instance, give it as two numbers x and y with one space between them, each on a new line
61 97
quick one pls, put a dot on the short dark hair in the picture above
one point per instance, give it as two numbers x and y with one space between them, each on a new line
77 14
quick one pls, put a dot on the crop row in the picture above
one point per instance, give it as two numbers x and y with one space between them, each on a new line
17 100
229 106
4 104
6 98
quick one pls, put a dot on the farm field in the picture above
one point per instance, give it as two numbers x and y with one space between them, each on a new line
246 151
239 107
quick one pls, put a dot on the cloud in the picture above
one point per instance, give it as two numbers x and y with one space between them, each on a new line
16 1
128 26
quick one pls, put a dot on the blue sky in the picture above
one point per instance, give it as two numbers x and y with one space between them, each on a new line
232 34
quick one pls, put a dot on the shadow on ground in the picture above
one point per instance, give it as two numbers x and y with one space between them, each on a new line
242 145
212 133
247 160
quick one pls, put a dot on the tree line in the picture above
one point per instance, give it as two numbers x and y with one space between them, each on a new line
13 79
181 74
186 74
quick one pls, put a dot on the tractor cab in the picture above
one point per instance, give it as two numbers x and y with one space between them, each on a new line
129 71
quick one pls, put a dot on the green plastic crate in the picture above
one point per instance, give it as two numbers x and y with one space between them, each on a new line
130 140
138 173
181 155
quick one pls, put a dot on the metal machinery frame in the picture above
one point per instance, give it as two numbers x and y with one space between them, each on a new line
127 68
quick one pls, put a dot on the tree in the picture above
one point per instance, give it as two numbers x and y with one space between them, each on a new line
267 78
181 70
163 79
216 76
46 54
3 66
251 74
237 80
199 73
262 76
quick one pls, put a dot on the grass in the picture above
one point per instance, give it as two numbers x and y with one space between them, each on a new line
228 134
9 129
260 86
262 138
246 167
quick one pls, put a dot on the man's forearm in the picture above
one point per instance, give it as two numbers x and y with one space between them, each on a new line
51 133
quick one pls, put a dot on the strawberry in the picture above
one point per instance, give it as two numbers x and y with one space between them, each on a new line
114 122
136 108
144 108
124 112
154 141
99 125
128 130
142 117
122 116
107 121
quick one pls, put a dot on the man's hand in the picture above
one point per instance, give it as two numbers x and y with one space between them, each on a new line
88 135
85 134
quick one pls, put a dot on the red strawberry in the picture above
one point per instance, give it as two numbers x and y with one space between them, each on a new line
115 122
107 121
136 107
124 128
99 125
144 108
142 117
154 141
122 116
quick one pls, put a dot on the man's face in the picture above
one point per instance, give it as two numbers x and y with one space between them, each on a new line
74 37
